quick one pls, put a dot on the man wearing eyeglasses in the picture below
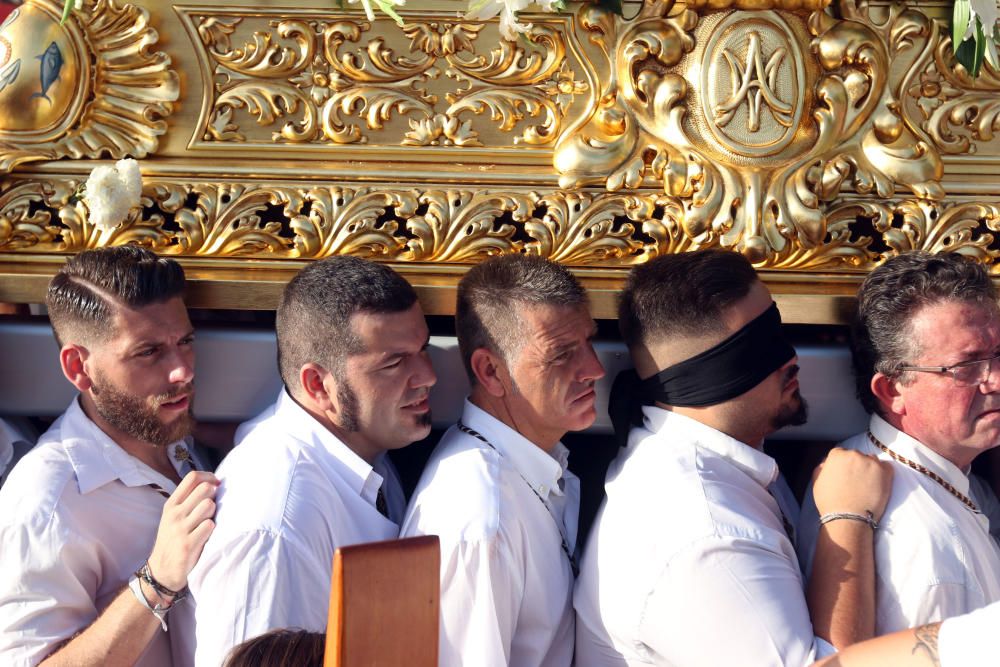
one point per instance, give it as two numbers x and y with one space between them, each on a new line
925 341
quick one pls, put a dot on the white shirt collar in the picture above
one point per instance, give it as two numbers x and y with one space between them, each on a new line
759 466
907 446
98 460
540 469
359 475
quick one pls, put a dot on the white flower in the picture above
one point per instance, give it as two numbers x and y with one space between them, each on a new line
988 13
509 25
77 5
112 192
385 5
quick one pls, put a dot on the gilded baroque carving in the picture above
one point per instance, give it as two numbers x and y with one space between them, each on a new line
755 119
955 111
321 80
99 90
810 139
440 225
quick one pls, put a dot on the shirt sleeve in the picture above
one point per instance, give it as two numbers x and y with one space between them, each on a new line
251 582
48 583
724 599
481 590
966 641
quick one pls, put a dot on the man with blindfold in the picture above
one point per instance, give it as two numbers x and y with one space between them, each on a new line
691 560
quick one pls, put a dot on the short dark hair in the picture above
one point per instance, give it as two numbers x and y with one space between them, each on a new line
682 294
313 320
891 296
83 295
486 313
281 647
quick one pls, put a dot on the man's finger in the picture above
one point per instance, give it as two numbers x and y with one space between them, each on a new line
189 483
203 510
199 536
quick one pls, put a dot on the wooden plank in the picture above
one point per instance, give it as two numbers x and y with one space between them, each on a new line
384 604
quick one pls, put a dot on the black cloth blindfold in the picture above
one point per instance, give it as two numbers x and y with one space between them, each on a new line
720 373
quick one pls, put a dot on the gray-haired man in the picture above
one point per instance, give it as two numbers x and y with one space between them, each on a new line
496 489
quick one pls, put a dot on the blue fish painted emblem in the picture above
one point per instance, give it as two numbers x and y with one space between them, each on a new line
52 62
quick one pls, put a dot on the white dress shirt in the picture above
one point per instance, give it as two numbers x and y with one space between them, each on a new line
77 518
689 562
290 494
934 557
967 641
506 583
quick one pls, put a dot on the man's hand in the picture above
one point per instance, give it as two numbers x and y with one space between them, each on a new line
848 481
185 526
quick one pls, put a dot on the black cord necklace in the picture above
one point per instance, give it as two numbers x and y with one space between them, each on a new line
565 546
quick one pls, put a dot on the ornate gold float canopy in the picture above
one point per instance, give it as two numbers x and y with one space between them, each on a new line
815 140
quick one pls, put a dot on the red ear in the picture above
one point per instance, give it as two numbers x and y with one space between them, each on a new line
312 383
72 360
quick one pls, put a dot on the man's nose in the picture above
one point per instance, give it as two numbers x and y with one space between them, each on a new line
182 367
592 369
992 382
424 375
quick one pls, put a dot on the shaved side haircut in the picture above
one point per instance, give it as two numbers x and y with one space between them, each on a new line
491 293
682 295
313 320
83 296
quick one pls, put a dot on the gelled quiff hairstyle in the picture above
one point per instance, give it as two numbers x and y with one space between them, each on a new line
491 293
889 298
682 294
313 319
83 296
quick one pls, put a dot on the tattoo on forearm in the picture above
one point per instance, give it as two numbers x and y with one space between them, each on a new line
927 643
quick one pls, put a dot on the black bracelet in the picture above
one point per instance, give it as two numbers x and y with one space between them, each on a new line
146 575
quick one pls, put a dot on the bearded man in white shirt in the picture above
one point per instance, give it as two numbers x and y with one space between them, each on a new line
496 489
310 473
691 561
925 342
98 528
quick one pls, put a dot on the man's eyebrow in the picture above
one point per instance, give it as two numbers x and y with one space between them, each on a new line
152 342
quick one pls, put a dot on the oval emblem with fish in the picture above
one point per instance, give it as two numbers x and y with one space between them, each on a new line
39 70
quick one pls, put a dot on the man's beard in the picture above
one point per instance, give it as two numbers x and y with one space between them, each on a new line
794 413
135 416
348 400
791 414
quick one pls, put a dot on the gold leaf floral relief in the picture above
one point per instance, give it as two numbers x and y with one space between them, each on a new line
457 226
337 81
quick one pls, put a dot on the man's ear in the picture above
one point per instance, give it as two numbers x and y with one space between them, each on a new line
491 372
73 361
887 393
313 382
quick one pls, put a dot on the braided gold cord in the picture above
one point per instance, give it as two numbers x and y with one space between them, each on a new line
924 471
